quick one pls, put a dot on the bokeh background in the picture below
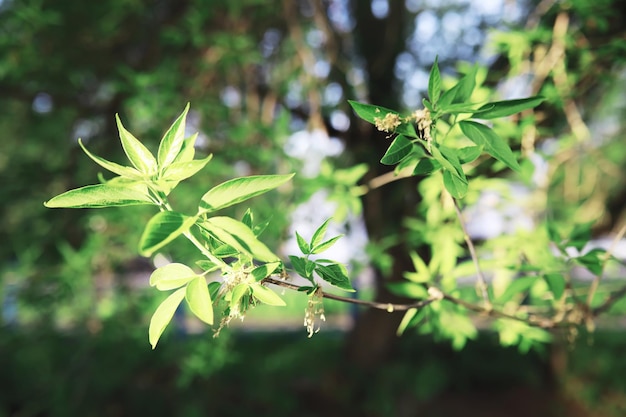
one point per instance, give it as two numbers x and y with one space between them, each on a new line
268 83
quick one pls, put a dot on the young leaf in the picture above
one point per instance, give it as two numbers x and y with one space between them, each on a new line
179 171
506 108
239 291
469 154
171 276
188 150
335 275
248 218
371 113
120 170
240 189
319 234
449 162
406 320
303 244
163 314
434 83
408 289
456 186
266 296
263 271
399 148
238 235
325 245
161 229
299 265
102 195
136 152
461 91
519 285
426 166
207 266
493 144
199 299
556 283
172 141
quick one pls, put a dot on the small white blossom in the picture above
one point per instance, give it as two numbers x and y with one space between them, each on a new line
389 123
315 307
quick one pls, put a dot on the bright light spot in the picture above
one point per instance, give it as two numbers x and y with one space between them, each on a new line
321 69
333 94
42 103
339 121
426 25
230 97
380 8
405 64
315 38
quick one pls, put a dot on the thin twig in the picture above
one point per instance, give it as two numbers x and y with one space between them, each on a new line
482 283
608 303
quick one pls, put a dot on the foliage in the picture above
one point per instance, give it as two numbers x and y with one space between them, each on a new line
431 141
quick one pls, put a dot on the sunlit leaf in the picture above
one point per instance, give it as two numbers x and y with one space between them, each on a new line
335 275
303 244
102 195
506 108
434 83
136 152
238 235
163 315
263 271
325 245
199 299
179 171
493 144
240 189
238 292
161 229
120 170
266 296
556 283
172 141
171 276
456 186
517 286
399 148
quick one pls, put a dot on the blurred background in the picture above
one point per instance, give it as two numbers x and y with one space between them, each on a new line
268 83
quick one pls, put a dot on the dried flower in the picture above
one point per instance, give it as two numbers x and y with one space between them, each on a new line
389 123
315 307
424 123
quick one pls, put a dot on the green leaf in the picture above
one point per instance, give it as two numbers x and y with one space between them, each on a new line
161 229
199 299
318 235
263 271
422 273
266 296
426 166
172 141
469 154
325 245
102 195
214 289
370 113
171 276
461 108
136 152
408 289
303 244
163 315
238 235
179 171
299 265
517 286
239 291
120 170
506 108
335 275
248 218
188 150
207 266
456 186
434 83
493 144
556 283
449 161
461 91
592 260
225 251
406 320
240 189
399 148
